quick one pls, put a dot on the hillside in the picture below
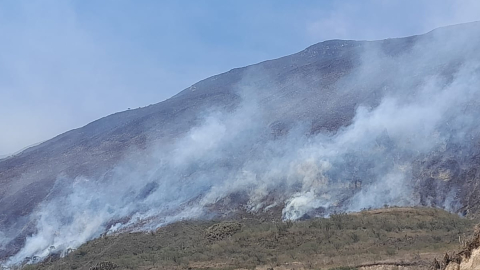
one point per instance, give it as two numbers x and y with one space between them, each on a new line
397 236
341 126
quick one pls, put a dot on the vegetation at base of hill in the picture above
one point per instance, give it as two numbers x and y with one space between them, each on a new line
322 243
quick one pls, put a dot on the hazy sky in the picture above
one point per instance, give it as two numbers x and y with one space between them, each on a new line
64 64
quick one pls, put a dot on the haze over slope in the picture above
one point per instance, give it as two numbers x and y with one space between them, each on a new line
340 126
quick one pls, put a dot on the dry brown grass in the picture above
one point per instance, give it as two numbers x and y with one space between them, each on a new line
392 235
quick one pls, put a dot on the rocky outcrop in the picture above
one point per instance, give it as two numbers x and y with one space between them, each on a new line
466 259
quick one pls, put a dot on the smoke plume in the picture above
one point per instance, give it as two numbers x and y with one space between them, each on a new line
417 103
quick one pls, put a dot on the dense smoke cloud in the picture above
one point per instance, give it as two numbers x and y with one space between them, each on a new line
428 102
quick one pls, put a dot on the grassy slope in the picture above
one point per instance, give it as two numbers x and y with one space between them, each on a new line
408 234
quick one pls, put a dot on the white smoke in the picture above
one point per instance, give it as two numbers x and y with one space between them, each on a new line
233 153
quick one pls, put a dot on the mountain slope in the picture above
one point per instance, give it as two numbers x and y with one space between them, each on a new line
395 236
340 126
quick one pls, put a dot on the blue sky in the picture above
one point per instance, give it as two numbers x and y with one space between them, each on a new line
66 63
